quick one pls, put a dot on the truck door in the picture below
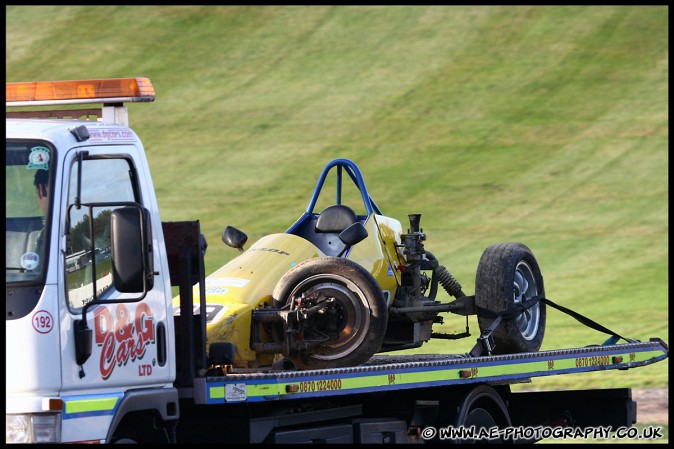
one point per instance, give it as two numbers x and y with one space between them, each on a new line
128 338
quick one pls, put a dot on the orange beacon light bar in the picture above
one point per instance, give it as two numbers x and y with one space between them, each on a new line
109 90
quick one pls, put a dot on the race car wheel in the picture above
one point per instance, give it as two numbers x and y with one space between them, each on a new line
508 274
351 327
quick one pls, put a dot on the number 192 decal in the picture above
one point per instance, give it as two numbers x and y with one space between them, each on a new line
43 322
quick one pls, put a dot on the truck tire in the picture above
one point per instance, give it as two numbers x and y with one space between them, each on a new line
354 327
508 274
483 408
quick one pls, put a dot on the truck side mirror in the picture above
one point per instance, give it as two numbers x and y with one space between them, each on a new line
131 242
234 238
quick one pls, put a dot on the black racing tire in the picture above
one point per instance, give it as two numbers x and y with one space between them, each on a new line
356 328
508 274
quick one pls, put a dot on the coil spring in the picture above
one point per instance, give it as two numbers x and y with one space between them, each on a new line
448 282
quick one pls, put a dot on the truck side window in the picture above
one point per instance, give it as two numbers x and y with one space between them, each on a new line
28 182
88 253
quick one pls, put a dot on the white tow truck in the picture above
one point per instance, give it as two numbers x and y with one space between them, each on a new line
96 354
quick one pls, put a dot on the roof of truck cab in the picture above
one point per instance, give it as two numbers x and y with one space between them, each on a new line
58 130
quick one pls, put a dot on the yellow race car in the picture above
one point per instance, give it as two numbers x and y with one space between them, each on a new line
345 283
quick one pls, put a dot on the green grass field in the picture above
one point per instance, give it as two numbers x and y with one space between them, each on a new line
541 124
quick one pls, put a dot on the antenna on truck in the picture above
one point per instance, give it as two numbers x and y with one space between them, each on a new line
111 92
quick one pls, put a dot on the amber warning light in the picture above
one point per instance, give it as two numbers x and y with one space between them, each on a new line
110 90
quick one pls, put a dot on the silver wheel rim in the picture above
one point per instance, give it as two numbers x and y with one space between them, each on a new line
525 288
352 302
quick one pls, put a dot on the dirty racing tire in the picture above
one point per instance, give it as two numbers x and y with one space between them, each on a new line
508 274
352 327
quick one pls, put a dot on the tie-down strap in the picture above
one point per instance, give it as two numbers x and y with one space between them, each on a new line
485 343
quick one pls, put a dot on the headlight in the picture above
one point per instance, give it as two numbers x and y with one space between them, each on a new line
42 428
18 429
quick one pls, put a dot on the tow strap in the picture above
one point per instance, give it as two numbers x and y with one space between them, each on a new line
485 342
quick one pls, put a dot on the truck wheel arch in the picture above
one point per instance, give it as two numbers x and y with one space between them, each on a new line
160 406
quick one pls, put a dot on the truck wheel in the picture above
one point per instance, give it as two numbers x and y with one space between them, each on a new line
482 408
352 327
508 274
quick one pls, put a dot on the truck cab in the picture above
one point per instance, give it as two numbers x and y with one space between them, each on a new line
81 346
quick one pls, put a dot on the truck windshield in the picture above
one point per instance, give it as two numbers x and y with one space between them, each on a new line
28 181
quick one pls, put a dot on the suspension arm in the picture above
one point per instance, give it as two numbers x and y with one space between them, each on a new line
464 305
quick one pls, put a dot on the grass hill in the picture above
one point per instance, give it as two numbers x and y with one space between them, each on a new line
541 124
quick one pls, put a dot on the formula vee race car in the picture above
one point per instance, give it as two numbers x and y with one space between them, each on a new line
339 286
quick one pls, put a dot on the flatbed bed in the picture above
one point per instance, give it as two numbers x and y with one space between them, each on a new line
384 372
